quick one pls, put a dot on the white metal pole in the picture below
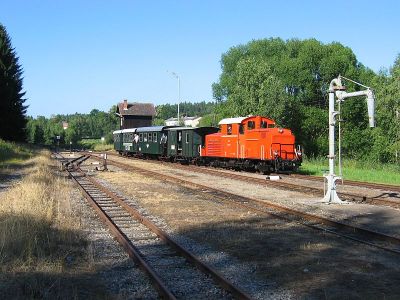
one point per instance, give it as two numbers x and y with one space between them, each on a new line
179 95
331 195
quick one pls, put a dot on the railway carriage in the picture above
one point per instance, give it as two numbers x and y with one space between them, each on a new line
117 135
151 141
185 143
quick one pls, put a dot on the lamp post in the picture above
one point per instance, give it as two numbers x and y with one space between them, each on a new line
179 90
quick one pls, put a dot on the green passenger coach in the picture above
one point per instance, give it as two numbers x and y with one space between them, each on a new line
151 141
184 143
117 135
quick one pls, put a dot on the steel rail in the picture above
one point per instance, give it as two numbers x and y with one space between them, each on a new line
296 187
218 277
132 251
307 216
379 186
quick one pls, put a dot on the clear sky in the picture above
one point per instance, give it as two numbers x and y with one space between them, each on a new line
83 54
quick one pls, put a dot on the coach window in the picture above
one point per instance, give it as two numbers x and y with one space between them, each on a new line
141 137
263 124
145 137
150 137
229 129
241 129
251 125
187 138
154 136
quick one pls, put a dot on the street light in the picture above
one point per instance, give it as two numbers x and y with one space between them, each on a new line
179 90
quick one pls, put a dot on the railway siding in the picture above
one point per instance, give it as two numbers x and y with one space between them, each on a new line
285 255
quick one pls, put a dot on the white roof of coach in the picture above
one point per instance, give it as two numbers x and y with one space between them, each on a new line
237 120
128 130
117 131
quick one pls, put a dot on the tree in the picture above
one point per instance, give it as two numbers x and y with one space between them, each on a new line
12 108
288 81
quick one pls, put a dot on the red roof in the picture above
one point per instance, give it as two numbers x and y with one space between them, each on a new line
136 109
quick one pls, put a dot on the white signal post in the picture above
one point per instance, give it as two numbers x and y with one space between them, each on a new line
336 88
179 90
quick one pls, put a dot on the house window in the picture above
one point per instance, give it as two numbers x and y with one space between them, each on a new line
187 138
251 125
150 137
141 137
154 136
229 129
263 124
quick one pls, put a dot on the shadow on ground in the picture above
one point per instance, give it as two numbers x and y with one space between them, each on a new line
312 264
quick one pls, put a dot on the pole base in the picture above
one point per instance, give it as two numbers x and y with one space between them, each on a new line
331 196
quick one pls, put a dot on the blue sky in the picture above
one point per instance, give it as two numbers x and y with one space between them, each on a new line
80 55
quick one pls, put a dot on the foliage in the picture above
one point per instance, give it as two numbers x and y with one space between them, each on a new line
356 170
166 111
12 108
288 81
96 124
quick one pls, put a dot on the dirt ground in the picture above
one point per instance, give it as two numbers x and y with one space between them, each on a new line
311 264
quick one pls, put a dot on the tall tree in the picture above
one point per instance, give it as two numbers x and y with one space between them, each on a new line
12 108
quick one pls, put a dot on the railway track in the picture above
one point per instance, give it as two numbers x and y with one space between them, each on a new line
370 185
340 229
175 272
301 188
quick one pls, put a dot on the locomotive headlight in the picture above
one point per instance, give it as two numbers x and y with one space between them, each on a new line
280 130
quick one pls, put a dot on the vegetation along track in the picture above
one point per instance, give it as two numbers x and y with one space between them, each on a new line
301 188
344 230
175 272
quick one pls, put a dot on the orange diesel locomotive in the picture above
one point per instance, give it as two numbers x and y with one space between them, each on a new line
251 143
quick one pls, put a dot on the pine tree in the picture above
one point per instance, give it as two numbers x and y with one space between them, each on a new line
12 108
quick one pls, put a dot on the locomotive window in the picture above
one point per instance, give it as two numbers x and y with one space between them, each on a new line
251 125
150 137
241 129
271 125
187 138
263 124
141 137
229 128
154 136
145 137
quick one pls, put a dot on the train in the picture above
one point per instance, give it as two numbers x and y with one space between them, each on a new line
252 143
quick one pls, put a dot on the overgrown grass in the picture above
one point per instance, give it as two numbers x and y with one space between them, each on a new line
355 170
42 247
13 153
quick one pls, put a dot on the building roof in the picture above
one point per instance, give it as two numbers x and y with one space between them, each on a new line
136 109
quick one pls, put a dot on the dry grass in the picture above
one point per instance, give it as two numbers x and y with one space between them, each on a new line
41 241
